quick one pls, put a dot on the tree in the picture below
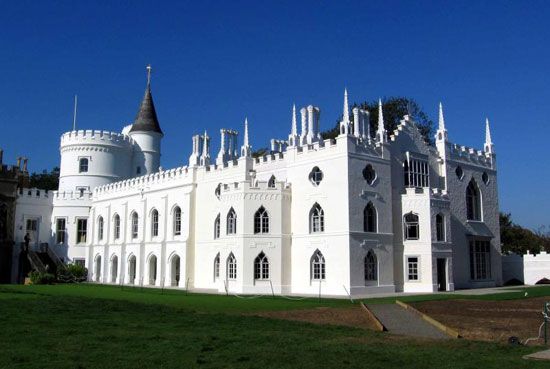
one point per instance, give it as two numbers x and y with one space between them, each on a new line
260 152
45 180
515 238
394 108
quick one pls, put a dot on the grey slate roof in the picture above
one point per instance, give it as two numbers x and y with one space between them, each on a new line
146 119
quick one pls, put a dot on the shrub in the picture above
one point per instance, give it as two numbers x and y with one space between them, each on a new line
72 273
41 278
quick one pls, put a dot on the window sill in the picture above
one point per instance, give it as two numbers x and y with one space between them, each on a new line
474 221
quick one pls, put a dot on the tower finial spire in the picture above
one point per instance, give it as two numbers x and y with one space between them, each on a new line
488 140
294 123
345 111
148 74
381 130
245 148
441 118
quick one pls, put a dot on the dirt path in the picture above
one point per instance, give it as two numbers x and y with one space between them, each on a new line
351 317
488 320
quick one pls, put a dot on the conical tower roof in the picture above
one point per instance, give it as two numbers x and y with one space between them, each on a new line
146 118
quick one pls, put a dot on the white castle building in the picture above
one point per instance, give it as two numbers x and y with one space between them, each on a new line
367 212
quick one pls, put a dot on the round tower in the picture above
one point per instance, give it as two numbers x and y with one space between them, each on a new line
93 158
147 135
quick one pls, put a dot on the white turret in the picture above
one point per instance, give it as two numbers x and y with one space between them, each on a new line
205 156
345 123
441 134
147 135
293 138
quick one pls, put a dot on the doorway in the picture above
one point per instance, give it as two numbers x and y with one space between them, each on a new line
442 274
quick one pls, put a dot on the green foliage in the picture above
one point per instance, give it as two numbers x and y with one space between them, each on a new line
394 108
45 180
72 273
41 278
515 238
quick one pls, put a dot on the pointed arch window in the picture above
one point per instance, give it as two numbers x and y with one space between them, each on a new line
371 267
369 218
231 267
217 266
100 228
231 222
154 223
261 221
177 221
412 228
440 228
135 225
317 266
473 201
271 182
316 219
217 227
261 267
116 227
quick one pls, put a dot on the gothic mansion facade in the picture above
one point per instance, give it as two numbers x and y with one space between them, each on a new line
364 213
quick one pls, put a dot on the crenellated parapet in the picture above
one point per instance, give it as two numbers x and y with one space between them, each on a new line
470 155
95 137
150 180
255 190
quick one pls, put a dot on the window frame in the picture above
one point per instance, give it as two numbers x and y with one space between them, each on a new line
371 267
60 233
83 165
480 260
100 228
116 227
261 221
316 219
474 208
231 267
413 274
317 266
217 227
408 225
231 222
440 231
134 225
154 223
370 218
177 221
81 233
261 267
316 176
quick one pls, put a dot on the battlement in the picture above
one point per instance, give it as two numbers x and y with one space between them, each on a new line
162 176
432 192
34 193
71 196
95 136
465 153
254 186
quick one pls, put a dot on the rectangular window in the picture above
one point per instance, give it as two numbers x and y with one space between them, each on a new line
100 229
81 230
177 223
416 173
81 262
480 260
117 227
60 230
83 165
412 269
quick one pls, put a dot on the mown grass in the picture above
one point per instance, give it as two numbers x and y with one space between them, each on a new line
86 326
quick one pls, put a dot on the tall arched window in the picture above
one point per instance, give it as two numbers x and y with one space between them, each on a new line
154 223
135 225
369 218
440 227
231 267
271 183
97 267
316 219
217 266
152 270
132 269
114 268
83 165
261 221
412 228
371 267
217 227
473 201
317 266
116 227
100 228
231 222
177 221
261 267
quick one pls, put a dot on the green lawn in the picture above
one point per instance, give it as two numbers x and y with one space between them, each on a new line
86 326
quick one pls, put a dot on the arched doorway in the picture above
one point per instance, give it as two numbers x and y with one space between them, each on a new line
97 268
114 268
175 271
132 270
152 270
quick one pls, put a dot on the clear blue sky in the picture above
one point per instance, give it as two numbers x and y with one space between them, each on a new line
216 62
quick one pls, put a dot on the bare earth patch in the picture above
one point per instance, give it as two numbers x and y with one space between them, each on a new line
351 317
488 320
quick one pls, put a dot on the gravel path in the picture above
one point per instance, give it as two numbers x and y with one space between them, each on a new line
400 321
